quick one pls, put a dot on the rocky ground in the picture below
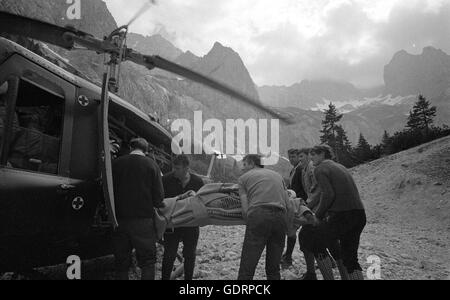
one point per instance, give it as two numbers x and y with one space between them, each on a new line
407 200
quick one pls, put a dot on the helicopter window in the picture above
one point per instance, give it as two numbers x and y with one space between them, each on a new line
120 135
37 143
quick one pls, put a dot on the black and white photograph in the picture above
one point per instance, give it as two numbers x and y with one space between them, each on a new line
216 143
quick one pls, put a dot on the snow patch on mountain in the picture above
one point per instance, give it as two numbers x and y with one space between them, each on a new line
352 105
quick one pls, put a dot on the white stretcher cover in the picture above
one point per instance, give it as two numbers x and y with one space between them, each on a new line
219 204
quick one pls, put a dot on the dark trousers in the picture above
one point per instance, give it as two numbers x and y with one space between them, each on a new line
305 236
307 241
290 245
189 237
345 227
266 228
138 234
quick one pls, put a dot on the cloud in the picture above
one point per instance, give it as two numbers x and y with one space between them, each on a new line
414 27
284 42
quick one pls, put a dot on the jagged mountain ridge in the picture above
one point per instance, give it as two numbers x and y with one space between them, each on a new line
371 116
224 62
308 93
187 59
372 111
427 73
156 92
405 75
97 19
170 97
371 120
153 45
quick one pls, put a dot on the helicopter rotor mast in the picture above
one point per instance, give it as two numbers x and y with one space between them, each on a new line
118 39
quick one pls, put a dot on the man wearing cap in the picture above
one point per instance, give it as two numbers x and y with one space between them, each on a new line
138 189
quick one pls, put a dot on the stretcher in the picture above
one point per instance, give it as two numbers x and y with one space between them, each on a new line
219 204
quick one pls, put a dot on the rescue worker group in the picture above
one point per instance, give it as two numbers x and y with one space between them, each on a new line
329 241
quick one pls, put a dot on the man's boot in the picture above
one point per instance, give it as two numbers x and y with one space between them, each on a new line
356 275
325 267
342 270
148 273
308 276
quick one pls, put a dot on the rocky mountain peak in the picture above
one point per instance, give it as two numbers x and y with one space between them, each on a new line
153 45
187 59
218 47
224 54
427 73
400 55
433 51
224 64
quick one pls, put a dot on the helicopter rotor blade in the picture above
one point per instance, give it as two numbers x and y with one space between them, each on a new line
38 30
67 37
152 62
142 11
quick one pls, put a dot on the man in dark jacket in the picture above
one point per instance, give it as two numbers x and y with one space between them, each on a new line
177 183
342 212
295 184
138 190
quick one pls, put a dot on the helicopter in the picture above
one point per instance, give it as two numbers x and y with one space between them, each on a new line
59 133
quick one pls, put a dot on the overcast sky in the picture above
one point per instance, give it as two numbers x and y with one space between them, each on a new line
286 41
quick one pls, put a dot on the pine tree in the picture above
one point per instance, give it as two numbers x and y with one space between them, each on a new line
422 115
330 126
386 144
363 150
343 148
376 152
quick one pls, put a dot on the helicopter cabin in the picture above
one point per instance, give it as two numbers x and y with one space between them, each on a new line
50 151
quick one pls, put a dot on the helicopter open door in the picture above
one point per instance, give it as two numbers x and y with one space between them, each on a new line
105 157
